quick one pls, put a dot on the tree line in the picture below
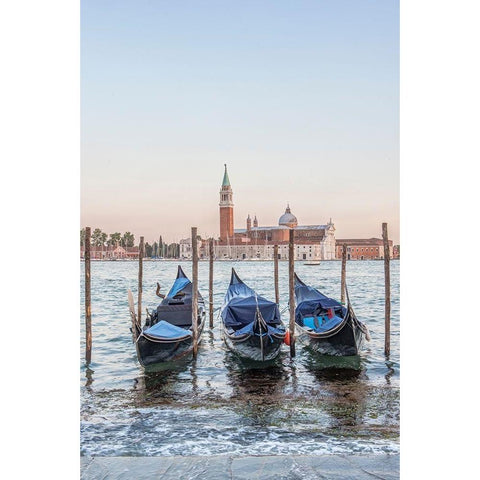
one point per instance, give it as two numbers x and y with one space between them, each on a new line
157 249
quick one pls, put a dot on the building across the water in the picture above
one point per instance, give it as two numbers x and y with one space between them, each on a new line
110 252
365 248
186 251
312 242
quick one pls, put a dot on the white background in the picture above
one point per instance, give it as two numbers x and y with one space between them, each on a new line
40 155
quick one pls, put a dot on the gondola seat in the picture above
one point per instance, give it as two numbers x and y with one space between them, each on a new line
178 315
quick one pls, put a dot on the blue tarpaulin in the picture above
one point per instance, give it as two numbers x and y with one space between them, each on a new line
311 302
183 286
181 283
164 329
323 324
250 327
247 329
240 306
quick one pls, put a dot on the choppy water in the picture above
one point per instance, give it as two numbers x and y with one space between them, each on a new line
217 404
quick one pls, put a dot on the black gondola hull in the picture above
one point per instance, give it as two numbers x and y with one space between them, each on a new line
175 309
348 341
252 325
343 338
253 347
150 352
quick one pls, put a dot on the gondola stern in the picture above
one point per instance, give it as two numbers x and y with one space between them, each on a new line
298 282
181 273
234 279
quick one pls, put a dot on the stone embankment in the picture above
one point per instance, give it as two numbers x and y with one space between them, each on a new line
222 467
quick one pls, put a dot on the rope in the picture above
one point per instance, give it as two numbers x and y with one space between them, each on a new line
367 335
262 323
260 328
259 314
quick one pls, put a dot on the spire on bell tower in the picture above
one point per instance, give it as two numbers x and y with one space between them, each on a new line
255 222
226 192
226 180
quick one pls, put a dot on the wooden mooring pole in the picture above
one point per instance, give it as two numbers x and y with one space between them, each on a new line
386 257
195 290
344 273
88 300
210 282
275 273
291 297
140 280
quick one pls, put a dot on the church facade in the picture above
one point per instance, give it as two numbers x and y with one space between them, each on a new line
312 242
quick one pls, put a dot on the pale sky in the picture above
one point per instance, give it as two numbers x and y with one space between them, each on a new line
300 99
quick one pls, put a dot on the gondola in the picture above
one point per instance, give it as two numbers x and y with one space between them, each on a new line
252 326
325 325
168 332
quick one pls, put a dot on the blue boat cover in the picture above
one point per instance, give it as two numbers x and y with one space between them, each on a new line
310 301
324 323
182 286
163 329
178 286
240 306
249 329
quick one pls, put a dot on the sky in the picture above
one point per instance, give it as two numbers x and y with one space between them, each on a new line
300 99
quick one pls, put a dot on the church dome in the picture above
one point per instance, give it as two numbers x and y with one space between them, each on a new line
288 219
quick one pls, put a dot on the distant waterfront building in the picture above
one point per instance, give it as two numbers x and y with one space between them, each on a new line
364 248
186 251
110 252
312 242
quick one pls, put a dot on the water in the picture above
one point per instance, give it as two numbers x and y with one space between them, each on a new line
219 405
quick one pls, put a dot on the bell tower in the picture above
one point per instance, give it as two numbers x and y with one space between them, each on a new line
226 208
